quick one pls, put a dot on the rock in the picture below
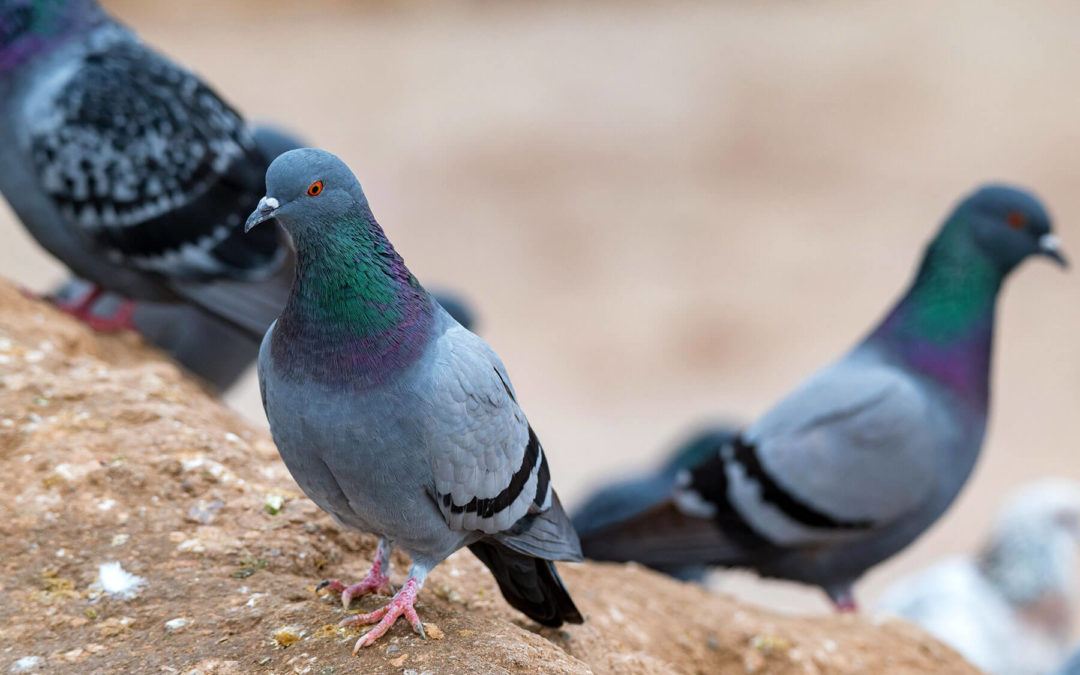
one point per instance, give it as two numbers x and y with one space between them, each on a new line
289 635
124 427
25 664
204 512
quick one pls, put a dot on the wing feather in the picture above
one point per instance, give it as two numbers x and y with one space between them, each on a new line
849 450
151 165
488 465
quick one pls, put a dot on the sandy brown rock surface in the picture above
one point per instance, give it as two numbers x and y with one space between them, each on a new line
109 454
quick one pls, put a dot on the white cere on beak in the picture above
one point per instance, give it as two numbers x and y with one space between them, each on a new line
268 204
1050 243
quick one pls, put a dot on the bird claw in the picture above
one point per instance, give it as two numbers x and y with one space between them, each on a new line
122 319
82 308
372 583
384 617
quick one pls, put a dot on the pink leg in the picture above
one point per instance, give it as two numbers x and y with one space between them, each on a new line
81 306
843 598
121 319
848 606
402 604
376 581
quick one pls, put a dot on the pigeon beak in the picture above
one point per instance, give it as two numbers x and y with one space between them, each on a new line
1050 246
266 209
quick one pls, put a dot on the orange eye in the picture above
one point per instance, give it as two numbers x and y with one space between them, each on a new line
1016 220
315 189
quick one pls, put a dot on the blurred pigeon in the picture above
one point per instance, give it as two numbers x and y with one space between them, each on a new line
1009 609
628 498
131 170
395 419
859 460
1071 666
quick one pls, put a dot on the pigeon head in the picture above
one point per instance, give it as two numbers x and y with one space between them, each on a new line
1008 225
943 326
1032 552
307 189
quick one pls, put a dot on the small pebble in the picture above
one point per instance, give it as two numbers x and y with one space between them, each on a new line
273 503
193 545
204 512
177 624
287 636
432 631
74 655
26 663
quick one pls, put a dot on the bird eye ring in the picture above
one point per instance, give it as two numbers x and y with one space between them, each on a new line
315 189
1016 220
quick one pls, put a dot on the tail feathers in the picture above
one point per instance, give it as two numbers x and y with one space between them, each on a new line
546 534
629 498
621 502
665 538
204 344
249 306
531 585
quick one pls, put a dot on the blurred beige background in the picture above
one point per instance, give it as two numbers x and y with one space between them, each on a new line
669 213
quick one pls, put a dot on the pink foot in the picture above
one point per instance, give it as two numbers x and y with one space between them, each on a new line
848 606
376 581
402 604
82 308
843 598
122 319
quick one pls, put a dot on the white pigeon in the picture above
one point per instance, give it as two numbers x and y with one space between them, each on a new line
1009 608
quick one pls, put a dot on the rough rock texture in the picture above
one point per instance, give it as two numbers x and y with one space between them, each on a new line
109 454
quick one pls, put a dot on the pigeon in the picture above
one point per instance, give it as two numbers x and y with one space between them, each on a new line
627 498
395 419
1008 609
861 458
131 170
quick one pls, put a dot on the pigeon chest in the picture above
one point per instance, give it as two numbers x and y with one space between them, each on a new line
355 454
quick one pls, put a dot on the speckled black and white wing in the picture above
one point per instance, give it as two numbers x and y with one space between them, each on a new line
149 163
488 466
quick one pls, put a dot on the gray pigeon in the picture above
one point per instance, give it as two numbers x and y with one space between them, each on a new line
131 170
395 419
1009 608
860 459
